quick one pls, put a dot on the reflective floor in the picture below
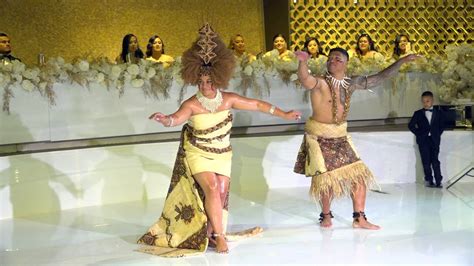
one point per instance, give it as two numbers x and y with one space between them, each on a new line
419 226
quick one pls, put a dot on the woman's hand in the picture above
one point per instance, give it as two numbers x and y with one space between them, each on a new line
292 115
162 118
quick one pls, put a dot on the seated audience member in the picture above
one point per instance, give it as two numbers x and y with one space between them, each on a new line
155 51
131 52
313 48
237 45
365 49
280 47
402 47
6 49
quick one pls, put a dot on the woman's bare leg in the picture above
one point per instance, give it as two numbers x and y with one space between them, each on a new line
209 183
223 190
224 182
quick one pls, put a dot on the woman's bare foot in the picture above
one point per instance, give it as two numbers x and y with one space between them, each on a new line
221 244
212 242
360 221
325 219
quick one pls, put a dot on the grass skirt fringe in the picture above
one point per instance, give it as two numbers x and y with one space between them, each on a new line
342 182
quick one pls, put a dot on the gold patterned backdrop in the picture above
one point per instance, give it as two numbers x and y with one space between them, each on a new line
430 24
72 28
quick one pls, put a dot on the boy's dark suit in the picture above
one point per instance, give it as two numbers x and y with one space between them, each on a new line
428 138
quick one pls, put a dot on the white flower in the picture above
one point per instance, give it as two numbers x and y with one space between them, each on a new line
42 85
176 71
287 65
83 65
6 79
133 69
7 67
17 77
60 61
115 72
275 53
27 85
458 73
31 73
142 72
137 83
18 67
127 77
294 77
102 67
100 77
90 76
248 70
237 68
68 66
63 76
258 67
151 73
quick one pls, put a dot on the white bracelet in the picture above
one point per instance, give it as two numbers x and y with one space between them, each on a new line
170 124
272 109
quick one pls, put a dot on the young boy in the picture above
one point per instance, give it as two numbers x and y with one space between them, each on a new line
428 124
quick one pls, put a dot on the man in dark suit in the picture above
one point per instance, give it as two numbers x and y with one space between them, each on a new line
6 49
428 124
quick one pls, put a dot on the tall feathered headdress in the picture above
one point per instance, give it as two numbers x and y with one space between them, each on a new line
208 55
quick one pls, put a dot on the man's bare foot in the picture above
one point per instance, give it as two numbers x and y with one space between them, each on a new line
221 244
325 219
360 221
364 224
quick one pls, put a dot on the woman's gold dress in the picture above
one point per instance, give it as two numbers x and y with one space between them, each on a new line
182 227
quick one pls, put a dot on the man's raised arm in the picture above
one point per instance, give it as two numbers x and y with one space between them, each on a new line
368 82
308 81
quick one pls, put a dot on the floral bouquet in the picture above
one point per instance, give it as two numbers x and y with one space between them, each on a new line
250 73
317 66
16 74
458 74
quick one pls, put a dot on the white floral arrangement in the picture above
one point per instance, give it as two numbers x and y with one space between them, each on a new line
250 71
317 66
17 74
366 67
457 74
285 67
149 76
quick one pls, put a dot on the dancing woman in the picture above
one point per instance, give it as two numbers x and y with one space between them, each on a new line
196 206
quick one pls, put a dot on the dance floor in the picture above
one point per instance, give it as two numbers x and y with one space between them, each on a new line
419 226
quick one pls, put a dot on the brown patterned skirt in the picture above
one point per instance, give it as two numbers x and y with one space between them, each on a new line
327 154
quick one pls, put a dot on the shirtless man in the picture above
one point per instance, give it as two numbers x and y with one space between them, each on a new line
327 153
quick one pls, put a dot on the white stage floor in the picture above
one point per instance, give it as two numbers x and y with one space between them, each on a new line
419 226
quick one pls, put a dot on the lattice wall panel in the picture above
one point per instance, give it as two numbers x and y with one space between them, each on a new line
431 24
